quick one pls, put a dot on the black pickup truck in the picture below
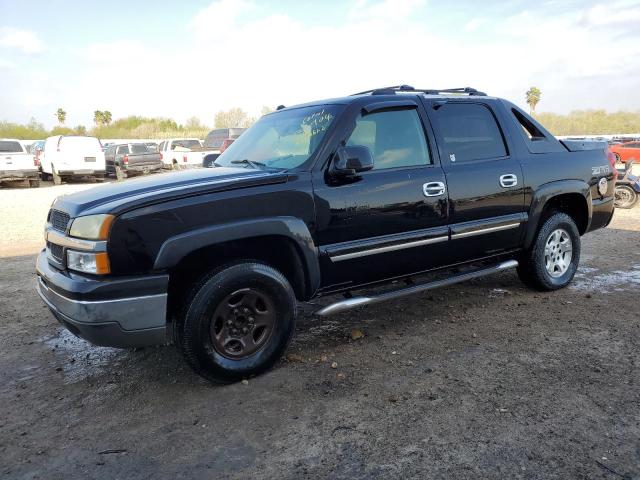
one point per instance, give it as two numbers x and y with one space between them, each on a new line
124 159
388 192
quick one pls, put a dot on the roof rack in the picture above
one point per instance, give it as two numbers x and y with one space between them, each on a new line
408 88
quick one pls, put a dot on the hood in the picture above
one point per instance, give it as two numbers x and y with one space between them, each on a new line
116 198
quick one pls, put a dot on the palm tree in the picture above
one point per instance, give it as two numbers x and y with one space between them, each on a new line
533 97
106 116
98 118
61 115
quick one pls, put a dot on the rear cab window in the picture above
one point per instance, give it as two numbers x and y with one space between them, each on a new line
8 146
138 148
468 132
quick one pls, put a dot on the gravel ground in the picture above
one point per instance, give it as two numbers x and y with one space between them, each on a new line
485 379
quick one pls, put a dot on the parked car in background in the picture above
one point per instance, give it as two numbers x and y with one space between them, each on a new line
17 165
627 193
125 159
152 146
106 145
180 152
217 141
66 156
626 151
36 150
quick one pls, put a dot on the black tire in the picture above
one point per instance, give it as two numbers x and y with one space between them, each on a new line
195 334
625 197
532 268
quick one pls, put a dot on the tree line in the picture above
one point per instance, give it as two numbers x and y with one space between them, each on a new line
133 126
579 122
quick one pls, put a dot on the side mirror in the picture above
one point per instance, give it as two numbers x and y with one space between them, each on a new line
351 160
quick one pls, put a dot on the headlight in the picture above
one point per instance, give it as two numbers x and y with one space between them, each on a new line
92 227
96 263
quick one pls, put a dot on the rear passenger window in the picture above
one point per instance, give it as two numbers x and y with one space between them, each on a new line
468 132
395 138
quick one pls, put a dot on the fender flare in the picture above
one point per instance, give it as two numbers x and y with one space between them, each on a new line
175 248
546 192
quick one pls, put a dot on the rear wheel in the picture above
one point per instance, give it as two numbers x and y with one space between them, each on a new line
552 260
625 197
237 322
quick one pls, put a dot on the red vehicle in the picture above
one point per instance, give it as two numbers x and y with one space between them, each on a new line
626 151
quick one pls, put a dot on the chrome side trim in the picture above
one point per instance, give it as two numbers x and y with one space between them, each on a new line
132 313
76 243
360 301
485 230
389 248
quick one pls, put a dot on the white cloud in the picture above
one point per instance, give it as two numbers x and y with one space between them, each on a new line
26 41
234 53
473 24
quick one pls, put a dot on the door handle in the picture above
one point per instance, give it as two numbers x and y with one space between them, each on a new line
508 180
433 189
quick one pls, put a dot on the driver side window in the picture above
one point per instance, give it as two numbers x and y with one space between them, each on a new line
396 138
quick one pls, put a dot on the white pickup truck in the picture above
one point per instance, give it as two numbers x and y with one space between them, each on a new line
181 153
17 166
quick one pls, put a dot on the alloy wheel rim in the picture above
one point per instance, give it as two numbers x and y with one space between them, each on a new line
242 323
558 252
623 197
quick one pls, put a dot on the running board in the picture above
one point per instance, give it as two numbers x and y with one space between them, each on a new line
354 302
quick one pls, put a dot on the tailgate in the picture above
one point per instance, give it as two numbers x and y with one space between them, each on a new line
140 159
16 161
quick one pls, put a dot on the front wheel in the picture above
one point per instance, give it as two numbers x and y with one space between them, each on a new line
553 258
625 197
237 322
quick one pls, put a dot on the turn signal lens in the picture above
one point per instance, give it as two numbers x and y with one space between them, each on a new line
96 263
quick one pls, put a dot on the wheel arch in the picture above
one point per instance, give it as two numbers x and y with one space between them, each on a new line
572 197
283 242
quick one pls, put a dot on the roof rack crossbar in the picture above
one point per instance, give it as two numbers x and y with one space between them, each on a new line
431 91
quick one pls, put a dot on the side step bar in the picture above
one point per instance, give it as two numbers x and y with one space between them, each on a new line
354 302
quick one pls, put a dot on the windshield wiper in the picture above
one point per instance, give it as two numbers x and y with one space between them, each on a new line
246 161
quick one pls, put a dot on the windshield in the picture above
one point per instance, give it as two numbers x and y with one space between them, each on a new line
283 139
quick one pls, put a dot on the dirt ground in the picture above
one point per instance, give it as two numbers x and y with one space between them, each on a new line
485 379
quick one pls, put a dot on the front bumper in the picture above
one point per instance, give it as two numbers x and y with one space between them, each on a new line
112 312
7 175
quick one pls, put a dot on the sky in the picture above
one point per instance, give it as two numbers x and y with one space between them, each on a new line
183 59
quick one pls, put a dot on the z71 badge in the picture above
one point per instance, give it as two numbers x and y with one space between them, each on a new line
601 170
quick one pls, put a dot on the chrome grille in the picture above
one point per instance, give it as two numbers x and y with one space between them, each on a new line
59 220
56 251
